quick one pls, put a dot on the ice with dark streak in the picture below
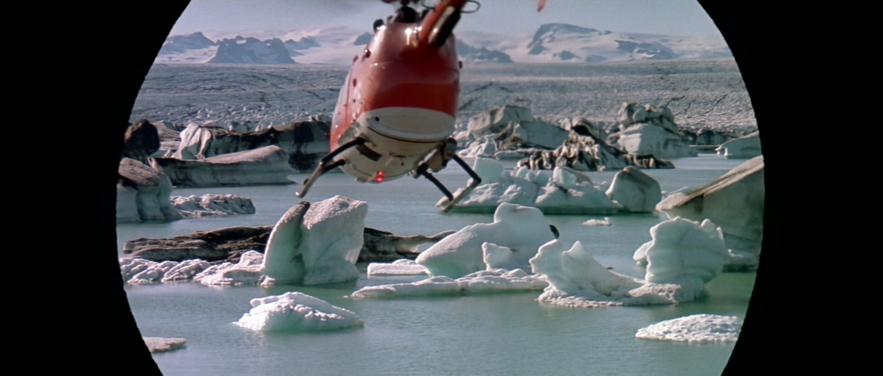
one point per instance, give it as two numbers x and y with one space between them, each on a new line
316 244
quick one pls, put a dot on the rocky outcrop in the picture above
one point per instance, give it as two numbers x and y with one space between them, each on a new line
215 245
265 165
385 246
143 193
141 141
230 242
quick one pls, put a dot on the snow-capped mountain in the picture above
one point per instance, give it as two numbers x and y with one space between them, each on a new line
182 43
471 54
242 50
555 42
190 48
564 42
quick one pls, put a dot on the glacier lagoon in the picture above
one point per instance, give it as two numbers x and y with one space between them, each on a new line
490 334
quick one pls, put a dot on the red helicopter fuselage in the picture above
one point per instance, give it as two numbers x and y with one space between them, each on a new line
396 110
400 96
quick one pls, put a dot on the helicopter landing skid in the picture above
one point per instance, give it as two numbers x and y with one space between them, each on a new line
325 167
450 200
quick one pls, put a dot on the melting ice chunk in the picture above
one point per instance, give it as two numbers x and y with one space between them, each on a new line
695 328
296 311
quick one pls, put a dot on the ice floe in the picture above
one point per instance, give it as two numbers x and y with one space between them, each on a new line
522 229
397 267
486 281
296 311
694 328
564 191
682 257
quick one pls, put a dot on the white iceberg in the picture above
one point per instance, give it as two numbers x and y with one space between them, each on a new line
741 148
316 244
246 272
137 271
397 267
636 191
143 193
522 229
597 222
486 281
212 204
682 257
564 192
296 311
684 252
695 328
735 202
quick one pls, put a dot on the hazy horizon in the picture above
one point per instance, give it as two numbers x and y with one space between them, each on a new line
668 17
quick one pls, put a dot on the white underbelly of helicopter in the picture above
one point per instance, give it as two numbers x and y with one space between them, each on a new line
397 139
410 124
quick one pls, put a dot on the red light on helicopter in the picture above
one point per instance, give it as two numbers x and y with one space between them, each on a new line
379 176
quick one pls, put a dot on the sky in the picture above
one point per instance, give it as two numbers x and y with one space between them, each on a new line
669 17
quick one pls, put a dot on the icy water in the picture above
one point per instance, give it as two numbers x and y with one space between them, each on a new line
493 334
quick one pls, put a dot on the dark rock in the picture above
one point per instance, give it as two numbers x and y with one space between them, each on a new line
384 246
229 243
141 141
214 245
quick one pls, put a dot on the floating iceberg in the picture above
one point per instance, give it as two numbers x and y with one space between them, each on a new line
695 328
264 165
212 204
564 192
296 311
684 252
160 344
496 280
246 272
682 257
521 229
741 148
398 267
735 202
143 193
316 244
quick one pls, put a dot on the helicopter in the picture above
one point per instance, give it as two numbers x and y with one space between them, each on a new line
396 112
